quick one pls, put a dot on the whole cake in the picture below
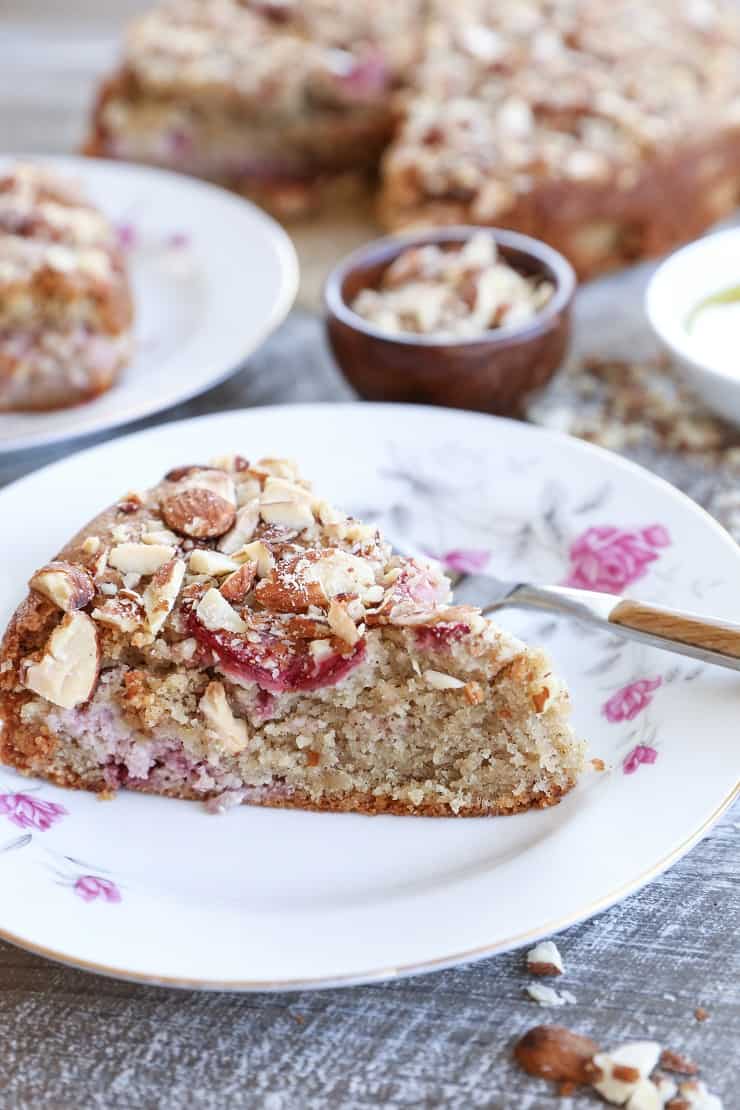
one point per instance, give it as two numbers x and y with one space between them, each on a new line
230 636
609 128
65 304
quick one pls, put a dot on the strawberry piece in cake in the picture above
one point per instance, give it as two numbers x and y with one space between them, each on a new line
65 304
230 636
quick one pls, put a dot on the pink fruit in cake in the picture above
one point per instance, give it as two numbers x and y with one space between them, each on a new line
436 636
276 661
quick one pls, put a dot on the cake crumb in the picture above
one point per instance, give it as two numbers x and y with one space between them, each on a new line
701 1014
547 996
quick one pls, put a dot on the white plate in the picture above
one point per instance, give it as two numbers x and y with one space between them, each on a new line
212 276
158 890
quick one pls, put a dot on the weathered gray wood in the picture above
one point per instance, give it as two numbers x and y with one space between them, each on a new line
72 1041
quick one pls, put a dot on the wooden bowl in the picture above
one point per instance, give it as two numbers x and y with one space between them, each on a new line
490 372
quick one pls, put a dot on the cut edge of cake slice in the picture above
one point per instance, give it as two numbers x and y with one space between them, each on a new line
229 636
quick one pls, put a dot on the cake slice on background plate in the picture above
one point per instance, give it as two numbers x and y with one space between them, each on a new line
66 308
230 636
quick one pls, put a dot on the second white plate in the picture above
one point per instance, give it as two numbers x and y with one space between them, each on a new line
212 277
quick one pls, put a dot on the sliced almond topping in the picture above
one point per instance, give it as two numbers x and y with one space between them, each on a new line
131 502
214 480
216 711
373 595
320 649
327 514
67 672
232 463
439 681
160 536
98 564
91 545
248 489
199 513
125 612
342 624
280 468
258 553
247 519
161 593
215 613
140 558
214 563
356 532
338 572
236 587
290 514
284 502
67 585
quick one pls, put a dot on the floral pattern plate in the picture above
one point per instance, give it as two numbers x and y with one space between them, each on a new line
162 891
212 276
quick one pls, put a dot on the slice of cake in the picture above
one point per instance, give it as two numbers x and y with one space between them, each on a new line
65 303
279 100
230 636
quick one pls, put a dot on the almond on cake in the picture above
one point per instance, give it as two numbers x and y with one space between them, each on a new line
65 304
230 636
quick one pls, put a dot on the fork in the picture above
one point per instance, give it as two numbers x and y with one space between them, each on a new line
705 638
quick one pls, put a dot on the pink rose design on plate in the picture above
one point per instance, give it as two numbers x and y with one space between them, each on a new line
30 813
641 754
92 888
626 703
465 560
610 559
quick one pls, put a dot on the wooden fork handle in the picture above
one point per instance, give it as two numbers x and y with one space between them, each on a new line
685 628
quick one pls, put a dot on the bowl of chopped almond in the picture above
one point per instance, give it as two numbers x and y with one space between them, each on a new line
473 318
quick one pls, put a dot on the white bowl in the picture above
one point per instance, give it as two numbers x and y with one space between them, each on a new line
682 282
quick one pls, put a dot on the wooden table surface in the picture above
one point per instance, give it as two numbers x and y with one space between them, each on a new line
74 1040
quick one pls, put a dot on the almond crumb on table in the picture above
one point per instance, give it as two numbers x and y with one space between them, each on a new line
639 407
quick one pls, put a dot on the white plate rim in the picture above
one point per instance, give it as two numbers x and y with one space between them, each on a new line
208 379
452 959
